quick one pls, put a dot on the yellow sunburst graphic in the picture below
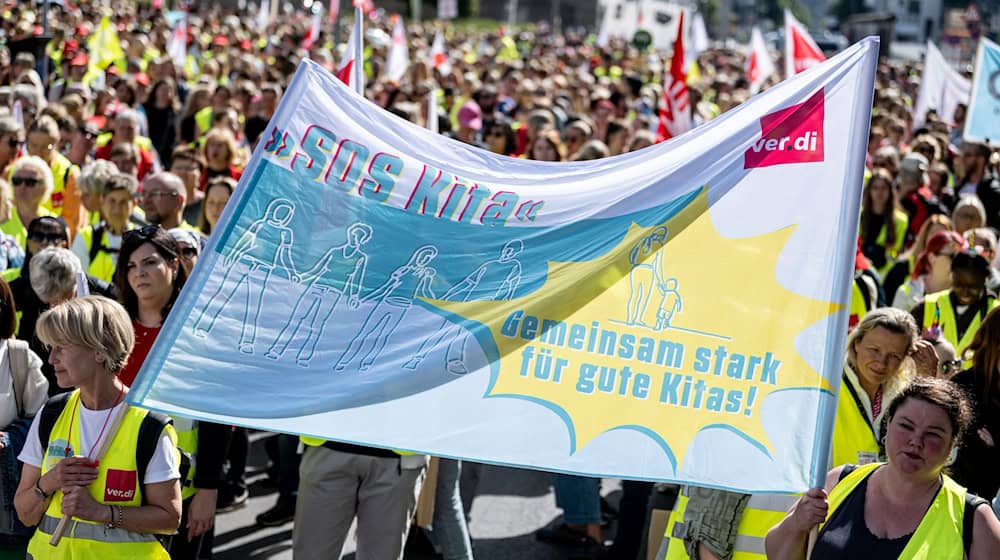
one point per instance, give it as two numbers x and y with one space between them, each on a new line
675 330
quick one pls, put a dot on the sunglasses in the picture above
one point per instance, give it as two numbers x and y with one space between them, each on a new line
25 181
88 134
41 237
145 233
189 252
15 143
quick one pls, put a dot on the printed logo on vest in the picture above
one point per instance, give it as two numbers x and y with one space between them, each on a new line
119 486
56 199
792 135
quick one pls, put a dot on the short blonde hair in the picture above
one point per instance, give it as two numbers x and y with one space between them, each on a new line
93 322
52 273
895 321
37 164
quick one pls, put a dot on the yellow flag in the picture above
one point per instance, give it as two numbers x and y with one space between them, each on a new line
104 49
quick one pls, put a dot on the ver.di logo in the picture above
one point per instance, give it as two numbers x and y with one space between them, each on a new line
791 135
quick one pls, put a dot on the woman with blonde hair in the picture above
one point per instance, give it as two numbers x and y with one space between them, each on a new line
11 253
118 502
31 178
222 154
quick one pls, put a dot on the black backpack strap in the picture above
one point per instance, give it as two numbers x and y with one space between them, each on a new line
865 289
149 438
972 502
848 469
50 413
96 241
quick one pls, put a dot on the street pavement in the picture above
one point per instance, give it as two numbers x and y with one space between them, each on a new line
510 506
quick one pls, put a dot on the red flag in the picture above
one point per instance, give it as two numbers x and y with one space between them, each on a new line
801 51
367 6
675 113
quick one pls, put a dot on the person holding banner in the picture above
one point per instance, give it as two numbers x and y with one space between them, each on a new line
883 353
906 507
149 276
119 501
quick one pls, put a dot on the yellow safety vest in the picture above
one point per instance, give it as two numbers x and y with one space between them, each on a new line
102 262
117 484
902 224
853 442
61 168
763 511
141 142
853 436
187 441
939 534
949 320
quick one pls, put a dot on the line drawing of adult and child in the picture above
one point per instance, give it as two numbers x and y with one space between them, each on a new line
649 273
263 247
394 299
322 295
494 280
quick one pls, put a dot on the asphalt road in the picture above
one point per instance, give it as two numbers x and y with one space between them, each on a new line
510 506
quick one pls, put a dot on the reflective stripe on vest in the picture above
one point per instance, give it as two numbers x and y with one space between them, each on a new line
939 534
853 436
762 512
949 320
187 441
117 484
82 530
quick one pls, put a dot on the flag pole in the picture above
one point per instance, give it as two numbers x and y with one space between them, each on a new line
359 52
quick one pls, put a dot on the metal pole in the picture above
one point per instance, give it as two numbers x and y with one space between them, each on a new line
45 51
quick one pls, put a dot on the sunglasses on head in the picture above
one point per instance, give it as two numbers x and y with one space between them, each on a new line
145 233
25 181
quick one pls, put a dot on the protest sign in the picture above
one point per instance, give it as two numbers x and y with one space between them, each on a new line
676 313
982 124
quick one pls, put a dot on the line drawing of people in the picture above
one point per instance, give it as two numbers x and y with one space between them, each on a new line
671 304
266 244
645 275
343 263
395 297
473 288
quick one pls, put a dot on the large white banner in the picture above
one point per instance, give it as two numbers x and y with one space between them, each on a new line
676 313
941 88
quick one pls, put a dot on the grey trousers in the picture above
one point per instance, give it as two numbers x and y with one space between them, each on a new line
336 487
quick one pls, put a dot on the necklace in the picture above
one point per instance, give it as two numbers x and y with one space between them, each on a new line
69 437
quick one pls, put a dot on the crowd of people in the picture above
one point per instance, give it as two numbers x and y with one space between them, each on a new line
113 172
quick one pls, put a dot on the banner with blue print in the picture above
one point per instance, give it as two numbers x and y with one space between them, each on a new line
982 124
676 313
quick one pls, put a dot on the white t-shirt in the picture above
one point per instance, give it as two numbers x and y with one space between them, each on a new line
36 387
162 466
82 252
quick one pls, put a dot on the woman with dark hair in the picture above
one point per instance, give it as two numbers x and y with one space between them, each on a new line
500 137
161 109
981 382
956 313
217 194
149 277
547 146
906 507
883 223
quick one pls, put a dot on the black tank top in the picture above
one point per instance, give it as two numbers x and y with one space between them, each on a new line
845 534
